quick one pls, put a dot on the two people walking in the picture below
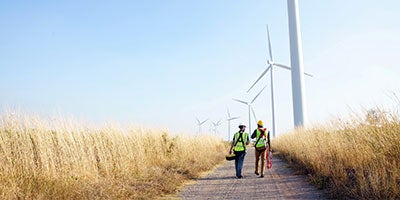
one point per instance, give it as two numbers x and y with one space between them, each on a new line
262 146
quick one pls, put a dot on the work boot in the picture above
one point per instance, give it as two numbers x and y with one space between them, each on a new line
262 176
256 172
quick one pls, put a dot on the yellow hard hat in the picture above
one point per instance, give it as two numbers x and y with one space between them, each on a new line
260 123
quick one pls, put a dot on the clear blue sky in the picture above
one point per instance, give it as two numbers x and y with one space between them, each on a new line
163 63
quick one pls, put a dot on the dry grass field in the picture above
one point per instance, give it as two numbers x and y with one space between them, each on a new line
64 160
358 158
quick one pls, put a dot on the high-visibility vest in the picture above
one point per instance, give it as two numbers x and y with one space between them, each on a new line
240 146
261 142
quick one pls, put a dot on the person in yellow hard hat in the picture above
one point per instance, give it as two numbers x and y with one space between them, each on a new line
262 145
238 145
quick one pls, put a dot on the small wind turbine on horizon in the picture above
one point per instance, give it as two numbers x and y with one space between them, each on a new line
200 123
249 105
230 118
215 125
271 64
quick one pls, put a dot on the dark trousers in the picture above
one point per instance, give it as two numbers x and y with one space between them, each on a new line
239 162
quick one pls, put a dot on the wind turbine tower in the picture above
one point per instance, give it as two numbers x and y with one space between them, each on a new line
296 60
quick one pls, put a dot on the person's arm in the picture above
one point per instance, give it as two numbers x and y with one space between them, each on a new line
254 135
232 145
269 143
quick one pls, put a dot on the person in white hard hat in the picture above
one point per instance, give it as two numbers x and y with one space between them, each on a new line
239 142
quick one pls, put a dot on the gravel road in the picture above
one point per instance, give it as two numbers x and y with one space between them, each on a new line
280 182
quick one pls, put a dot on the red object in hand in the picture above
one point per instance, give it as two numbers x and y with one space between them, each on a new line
269 160
269 165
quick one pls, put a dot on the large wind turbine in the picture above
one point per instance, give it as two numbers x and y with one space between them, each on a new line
271 64
229 123
249 106
200 123
296 60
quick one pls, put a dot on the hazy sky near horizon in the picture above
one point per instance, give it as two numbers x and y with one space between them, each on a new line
163 63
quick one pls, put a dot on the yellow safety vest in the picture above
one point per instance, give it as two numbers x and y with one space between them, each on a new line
261 142
240 146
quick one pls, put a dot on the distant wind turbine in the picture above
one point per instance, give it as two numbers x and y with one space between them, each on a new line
249 106
271 64
215 125
200 123
230 118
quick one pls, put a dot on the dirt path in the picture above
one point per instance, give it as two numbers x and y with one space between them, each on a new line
280 182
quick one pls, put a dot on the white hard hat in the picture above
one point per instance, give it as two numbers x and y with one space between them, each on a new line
242 124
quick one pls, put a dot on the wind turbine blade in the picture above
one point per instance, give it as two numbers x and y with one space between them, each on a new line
254 114
198 121
269 46
288 68
259 78
240 101
233 118
258 95
283 66
310 75
203 122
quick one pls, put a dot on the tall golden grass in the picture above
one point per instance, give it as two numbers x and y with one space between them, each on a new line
64 160
358 158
